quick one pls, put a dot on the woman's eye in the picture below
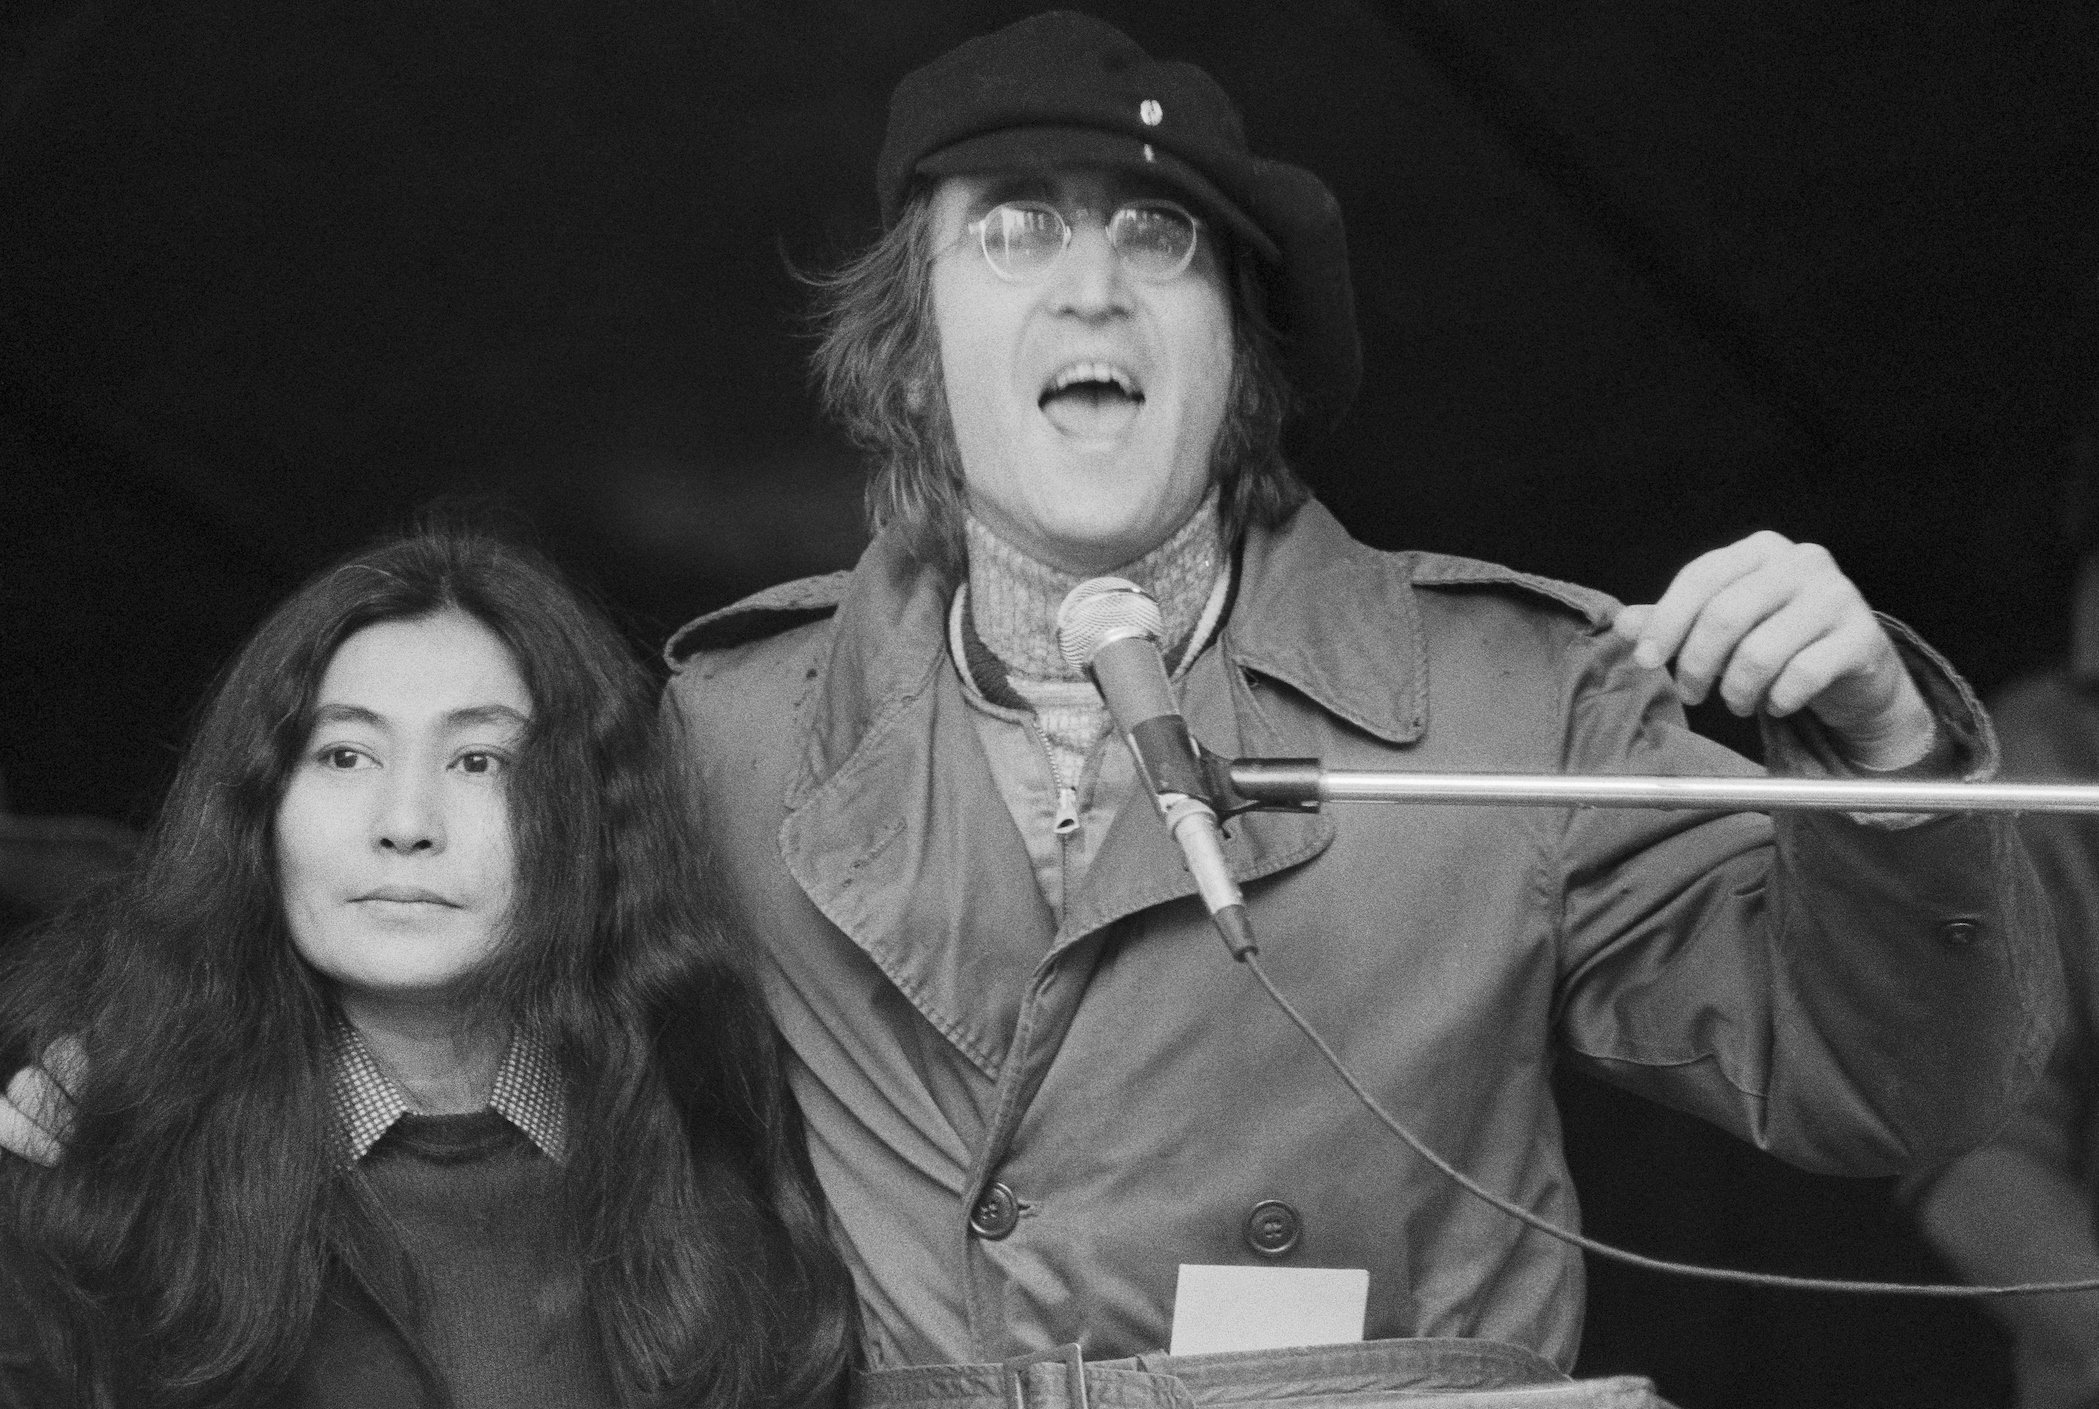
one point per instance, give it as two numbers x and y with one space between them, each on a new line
480 762
341 759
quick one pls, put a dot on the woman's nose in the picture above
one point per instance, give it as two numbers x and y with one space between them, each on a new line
411 814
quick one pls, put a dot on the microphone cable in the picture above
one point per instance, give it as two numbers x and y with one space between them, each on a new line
1617 1254
1110 629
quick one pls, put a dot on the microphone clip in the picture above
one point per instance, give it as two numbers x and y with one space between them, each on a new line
1210 779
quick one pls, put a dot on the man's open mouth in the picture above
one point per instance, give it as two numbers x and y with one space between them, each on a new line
1092 399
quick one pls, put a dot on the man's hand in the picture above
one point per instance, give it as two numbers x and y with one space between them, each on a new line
34 1117
1775 626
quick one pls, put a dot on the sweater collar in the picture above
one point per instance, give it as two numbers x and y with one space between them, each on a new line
1014 597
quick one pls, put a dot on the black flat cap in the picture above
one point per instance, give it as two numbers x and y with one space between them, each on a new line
1065 89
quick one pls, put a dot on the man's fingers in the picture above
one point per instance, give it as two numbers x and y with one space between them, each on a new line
1671 619
1764 656
24 1136
43 1093
66 1060
34 1095
1728 621
38 1108
1631 622
1812 670
1776 625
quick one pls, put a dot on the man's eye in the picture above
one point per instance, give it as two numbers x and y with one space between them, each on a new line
479 762
341 759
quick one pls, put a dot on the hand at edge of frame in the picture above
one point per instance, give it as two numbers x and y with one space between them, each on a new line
37 1108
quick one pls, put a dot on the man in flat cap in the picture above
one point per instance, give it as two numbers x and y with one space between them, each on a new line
1063 1134
1038 1091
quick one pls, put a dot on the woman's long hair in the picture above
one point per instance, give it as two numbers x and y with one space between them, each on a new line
202 1206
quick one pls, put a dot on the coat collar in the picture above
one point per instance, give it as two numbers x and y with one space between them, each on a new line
1335 620
888 647
1315 609
895 826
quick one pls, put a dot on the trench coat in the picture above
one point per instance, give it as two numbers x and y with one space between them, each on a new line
1025 1127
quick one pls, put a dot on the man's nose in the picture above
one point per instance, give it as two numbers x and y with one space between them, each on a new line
1090 279
411 814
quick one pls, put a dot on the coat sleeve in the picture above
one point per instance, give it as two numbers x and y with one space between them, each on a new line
2020 1207
1852 996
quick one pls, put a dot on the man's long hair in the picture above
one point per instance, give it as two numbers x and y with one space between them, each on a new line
877 370
202 1206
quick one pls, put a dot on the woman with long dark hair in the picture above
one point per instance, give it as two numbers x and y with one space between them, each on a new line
419 1067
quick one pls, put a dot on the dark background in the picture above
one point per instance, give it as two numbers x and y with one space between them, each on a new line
1635 277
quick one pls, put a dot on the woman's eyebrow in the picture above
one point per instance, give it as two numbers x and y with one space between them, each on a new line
486 714
465 718
348 714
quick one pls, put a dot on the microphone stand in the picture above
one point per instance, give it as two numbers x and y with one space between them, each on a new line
1303 785
1231 786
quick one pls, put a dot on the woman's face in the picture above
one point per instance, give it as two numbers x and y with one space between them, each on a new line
393 839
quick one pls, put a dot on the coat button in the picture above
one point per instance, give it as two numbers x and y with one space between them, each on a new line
1961 933
995 1213
1273 1228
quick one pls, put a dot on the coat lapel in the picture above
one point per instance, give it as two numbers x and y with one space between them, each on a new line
1336 621
896 829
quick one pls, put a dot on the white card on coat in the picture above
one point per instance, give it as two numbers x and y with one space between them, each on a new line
1266 1308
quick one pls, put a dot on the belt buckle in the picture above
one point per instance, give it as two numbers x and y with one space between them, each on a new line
1011 1373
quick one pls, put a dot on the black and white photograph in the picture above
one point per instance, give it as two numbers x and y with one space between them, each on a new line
1348 704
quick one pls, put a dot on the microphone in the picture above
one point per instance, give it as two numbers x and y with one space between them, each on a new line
1110 628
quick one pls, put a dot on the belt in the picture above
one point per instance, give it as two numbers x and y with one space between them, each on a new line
1402 1374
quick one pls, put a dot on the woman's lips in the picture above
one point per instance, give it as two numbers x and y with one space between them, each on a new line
405 895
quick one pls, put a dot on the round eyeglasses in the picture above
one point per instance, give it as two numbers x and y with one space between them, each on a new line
1023 240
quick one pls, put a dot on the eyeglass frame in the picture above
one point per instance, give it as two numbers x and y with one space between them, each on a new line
981 228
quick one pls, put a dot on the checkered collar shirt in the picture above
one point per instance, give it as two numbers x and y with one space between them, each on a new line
367 1101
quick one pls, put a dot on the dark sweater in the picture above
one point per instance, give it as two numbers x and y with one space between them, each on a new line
500 1323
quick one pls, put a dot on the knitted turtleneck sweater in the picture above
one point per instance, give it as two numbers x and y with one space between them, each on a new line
1008 620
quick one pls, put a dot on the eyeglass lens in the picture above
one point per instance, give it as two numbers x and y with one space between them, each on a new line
1154 239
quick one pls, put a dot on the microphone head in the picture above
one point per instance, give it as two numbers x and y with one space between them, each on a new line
1104 609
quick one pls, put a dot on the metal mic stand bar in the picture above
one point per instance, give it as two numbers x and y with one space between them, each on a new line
1301 784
